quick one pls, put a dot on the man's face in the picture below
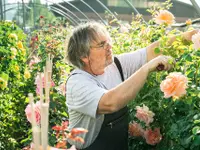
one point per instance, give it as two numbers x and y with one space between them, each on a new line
100 55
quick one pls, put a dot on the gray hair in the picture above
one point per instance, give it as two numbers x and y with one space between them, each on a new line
80 40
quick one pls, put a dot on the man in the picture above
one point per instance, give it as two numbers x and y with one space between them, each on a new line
96 94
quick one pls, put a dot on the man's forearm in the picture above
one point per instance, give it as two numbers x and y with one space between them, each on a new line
119 97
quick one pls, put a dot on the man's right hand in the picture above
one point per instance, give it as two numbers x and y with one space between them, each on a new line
159 63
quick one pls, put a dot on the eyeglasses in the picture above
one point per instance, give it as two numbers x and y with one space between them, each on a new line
104 44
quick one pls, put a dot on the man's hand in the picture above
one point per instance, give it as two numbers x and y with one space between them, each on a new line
188 35
167 62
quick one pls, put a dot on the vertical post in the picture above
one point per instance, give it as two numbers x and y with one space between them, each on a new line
18 12
33 5
4 9
1 9
23 14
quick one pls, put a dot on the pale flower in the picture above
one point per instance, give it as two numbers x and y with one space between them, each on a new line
33 61
36 108
152 136
135 129
27 74
164 16
144 114
13 51
124 28
174 85
196 40
3 83
13 36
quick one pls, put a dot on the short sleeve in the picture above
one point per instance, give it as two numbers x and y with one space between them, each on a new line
84 94
132 61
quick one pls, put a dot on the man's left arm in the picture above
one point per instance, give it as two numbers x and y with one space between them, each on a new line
150 49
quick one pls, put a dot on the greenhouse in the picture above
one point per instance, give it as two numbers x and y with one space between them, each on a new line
100 74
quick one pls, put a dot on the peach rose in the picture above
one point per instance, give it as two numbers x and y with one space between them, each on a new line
143 114
135 129
196 40
164 16
152 137
188 22
36 108
174 85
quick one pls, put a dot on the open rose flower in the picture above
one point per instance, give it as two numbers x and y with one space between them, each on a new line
196 40
144 114
152 136
36 108
13 36
124 28
135 129
164 16
174 85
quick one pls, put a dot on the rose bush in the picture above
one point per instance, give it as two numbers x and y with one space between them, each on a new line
172 96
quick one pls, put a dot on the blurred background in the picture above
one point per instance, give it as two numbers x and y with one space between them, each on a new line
26 13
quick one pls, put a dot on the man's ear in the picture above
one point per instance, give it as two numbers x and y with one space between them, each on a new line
85 59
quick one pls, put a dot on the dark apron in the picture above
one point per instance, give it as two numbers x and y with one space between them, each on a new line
114 132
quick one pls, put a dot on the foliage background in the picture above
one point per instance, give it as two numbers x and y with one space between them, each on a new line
179 120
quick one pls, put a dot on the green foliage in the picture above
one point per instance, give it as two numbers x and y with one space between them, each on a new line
17 79
178 119
12 85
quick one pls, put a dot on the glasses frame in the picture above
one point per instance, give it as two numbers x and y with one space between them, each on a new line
103 44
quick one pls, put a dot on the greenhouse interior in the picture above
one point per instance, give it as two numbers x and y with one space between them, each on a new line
100 74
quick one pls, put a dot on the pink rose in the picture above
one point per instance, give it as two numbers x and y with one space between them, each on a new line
174 85
144 114
152 136
36 108
135 129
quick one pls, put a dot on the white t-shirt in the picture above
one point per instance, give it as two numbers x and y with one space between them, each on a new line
84 91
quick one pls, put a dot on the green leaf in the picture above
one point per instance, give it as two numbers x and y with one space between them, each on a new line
157 50
196 130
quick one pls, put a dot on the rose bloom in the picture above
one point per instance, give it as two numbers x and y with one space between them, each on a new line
135 129
3 83
152 136
196 40
164 16
174 85
124 28
13 35
27 74
20 45
188 22
36 108
144 114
